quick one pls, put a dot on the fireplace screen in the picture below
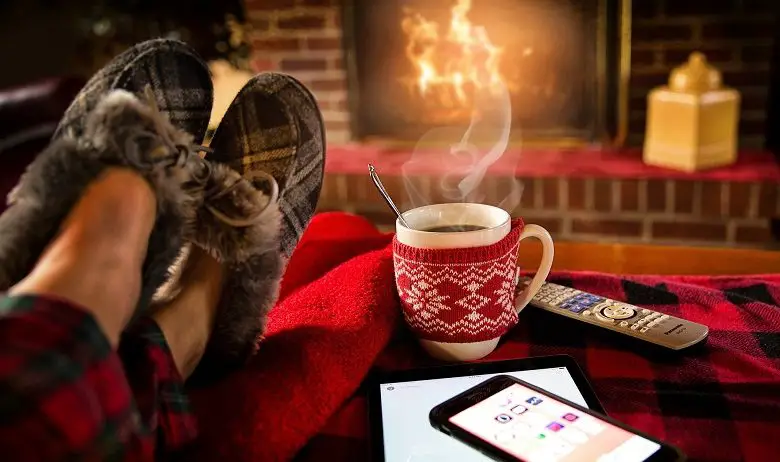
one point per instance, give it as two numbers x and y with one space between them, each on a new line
419 64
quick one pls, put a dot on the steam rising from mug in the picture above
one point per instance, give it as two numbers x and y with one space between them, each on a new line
457 171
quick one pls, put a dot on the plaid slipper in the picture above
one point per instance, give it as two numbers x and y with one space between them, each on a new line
181 86
274 125
238 225
121 131
178 77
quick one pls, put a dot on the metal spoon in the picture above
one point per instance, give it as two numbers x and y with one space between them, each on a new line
378 183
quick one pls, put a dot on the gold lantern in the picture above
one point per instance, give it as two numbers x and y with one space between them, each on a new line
692 122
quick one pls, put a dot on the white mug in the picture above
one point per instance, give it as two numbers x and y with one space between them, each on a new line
497 225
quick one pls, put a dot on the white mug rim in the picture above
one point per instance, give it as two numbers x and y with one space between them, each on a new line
422 208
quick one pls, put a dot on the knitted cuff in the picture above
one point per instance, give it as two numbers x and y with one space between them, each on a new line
459 295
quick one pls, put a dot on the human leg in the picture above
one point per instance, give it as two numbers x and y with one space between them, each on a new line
95 262
273 129
65 394
180 87
188 320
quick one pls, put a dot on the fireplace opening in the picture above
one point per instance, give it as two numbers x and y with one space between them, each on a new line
414 65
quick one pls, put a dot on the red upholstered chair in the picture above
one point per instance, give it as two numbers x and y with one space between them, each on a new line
28 118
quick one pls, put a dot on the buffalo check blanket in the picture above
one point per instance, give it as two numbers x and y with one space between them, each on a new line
305 399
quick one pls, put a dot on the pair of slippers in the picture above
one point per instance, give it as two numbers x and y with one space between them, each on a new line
246 204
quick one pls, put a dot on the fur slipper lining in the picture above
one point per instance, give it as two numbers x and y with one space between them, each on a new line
253 260
121 131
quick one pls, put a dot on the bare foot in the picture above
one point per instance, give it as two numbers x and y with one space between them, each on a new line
95 261
188 320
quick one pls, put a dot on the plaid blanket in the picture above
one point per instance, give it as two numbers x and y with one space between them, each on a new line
717 402
64 393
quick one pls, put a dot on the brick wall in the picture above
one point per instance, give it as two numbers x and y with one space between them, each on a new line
736 35
614 210
303 38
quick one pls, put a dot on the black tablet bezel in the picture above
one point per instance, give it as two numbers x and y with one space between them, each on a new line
459 370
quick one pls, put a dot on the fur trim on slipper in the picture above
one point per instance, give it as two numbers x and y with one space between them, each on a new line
239 226
122 131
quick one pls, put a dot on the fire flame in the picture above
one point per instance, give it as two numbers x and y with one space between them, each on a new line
452 66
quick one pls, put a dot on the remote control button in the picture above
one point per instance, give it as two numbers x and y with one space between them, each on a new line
600 316
623 323
586 313
644 329
653 324
642 321
577 308
634 326
664 317
646 311
618 312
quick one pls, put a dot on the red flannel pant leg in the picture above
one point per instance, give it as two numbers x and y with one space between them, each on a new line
66 395
157 385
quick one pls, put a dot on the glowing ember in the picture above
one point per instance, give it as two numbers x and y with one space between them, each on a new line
452 66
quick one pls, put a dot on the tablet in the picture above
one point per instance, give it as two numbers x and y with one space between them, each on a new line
399 403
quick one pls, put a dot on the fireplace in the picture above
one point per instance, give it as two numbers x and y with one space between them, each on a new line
416 65
582 193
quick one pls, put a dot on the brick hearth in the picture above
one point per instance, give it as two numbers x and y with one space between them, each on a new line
623 201
614 210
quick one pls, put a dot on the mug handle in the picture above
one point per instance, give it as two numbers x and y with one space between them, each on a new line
548 252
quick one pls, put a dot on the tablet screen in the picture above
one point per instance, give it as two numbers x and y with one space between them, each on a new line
407 433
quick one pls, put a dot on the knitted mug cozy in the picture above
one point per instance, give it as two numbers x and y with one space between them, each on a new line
459 295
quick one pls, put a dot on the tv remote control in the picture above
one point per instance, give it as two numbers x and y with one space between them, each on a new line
641 323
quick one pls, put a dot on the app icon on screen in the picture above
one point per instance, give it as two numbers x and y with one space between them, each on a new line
570 417
519 410
541 436
503 418
534 400
555 426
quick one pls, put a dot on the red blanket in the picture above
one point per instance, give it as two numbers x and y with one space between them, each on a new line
339 316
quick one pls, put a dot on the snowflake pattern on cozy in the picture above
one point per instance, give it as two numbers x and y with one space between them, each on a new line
459 295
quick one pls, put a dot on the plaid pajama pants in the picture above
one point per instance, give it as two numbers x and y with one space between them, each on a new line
65 394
